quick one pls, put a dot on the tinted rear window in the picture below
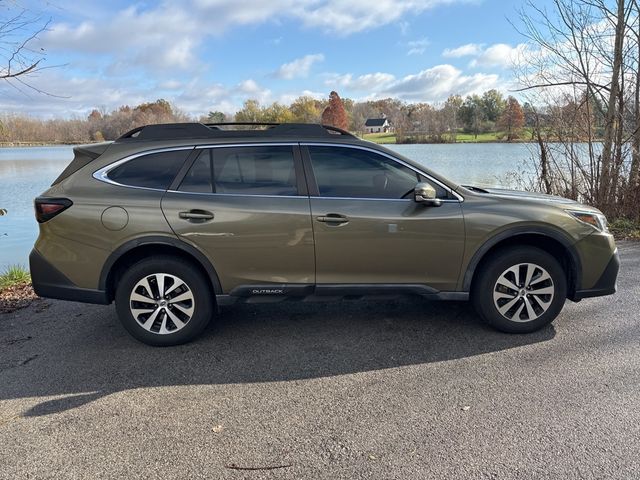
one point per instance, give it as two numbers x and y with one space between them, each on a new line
155 170
267 170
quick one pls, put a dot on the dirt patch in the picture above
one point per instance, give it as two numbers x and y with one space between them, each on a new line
16 297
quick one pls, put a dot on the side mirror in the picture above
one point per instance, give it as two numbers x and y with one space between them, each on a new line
425 194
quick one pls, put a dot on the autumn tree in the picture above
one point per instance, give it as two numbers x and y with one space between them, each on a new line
512 119
493 104
95 116
250 112
419 119
306 110
335 113
451 115
472 114
277 113
253 112
348 104
216 117
567 119
159 109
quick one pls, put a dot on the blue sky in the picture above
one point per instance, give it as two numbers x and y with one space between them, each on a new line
207 55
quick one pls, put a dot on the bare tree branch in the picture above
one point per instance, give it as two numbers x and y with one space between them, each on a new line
558 84
20 58
583 74
19 73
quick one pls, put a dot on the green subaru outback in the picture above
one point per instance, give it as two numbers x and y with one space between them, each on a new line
173 221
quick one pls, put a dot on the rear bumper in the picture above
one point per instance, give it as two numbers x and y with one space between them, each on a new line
49 282
606 284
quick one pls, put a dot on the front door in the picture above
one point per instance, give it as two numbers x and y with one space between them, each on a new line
247 209
368 229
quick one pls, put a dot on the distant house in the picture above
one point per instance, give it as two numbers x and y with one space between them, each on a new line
377 125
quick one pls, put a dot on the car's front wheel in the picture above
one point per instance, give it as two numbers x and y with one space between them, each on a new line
163 301
520 289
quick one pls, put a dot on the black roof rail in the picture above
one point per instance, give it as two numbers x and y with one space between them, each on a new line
174 131
243 124
168 130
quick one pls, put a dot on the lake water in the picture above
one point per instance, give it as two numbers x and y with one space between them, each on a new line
27 172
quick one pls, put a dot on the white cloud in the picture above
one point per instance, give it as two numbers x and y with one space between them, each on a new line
179 54
223 14
434 84
170 85
470 49
167 35
499 55
437 83
299 67
75 96
496 55
345 18
81 95
249 86
405 27
250 89
289 97
417 47
368 82
198 96
162 38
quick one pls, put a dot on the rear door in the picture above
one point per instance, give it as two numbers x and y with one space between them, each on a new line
368 229
247 209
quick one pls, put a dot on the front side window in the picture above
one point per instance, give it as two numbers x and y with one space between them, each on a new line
355 173
267 170
155 170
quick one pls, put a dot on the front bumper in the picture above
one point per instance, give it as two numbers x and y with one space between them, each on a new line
49 282
606 284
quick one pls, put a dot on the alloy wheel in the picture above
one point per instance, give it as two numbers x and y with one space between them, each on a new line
523 292
162 303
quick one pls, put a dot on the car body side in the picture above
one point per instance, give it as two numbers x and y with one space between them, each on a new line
85 246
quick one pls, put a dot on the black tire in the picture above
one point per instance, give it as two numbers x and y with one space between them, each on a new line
195 286
547 307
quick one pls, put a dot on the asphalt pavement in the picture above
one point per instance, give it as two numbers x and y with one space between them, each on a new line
405 389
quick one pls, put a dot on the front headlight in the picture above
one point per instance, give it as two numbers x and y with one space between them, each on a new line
596 220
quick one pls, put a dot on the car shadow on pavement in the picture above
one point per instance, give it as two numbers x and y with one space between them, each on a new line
87 355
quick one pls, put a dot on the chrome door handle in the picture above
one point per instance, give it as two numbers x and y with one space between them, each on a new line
334 218
196 215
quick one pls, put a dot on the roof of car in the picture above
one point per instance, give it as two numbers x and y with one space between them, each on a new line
183 135
181 131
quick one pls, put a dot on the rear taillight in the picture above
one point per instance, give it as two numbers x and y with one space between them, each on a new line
47 208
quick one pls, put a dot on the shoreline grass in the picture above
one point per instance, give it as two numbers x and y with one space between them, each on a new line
490 137
14 275
16 291
380 138
460 137
625 229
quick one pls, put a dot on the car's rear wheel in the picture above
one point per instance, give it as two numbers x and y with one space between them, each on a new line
520 289
164 301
